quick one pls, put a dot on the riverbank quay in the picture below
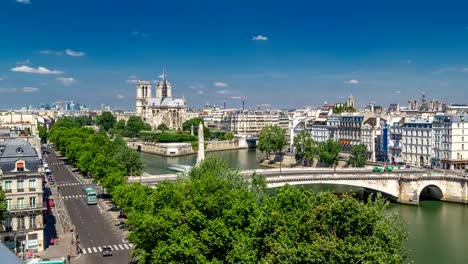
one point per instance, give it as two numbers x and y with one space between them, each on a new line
182 149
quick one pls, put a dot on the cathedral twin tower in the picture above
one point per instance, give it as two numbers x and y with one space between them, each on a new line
162 109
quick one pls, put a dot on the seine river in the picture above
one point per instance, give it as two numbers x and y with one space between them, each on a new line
437 232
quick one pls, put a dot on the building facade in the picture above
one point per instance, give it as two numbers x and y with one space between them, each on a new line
450 150
417 142
21 179
250 123
161 109
350 131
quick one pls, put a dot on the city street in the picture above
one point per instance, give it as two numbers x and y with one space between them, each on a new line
95 227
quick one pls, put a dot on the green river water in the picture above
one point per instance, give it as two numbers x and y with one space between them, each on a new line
436 229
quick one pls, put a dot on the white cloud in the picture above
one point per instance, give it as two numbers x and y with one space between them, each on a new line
39 70
132 76
30 89
26 2
200 92
23 62
139 34
51 52
67 81
132 81
224 92
352 81
120 96
397 92
74 53
220 84
260 38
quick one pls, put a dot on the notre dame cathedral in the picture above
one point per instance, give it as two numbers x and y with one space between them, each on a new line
160 109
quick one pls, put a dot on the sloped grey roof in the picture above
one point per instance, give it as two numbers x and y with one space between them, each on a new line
13 149
166 102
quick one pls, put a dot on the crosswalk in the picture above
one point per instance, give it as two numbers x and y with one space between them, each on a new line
73 196
119 247
68 184
57 163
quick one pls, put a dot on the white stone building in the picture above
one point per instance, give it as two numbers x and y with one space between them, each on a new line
370 131
450 136
417 142
395 138
21 180
250 123
162 109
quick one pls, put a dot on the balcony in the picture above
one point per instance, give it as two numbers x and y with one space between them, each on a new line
26 207
7 190
20 190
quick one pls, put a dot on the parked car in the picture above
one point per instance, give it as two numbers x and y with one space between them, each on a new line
106 251
377 169
389 168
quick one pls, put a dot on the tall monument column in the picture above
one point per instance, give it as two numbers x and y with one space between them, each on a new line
201 145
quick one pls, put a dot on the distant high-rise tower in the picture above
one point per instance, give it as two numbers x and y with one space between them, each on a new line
143 93
164 88
350 102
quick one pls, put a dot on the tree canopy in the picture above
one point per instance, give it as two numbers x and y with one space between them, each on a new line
108 162
272 138
163 127
3 205
106 121
358 156
43 134
215 215
329 152
187 127
305 148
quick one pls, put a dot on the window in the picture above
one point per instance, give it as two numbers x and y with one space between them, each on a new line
20 166
21 222
463 146
9 204
32 185
32 221
20 185
32 202
7 186
20 203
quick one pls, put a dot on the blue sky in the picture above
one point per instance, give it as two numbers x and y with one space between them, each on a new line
283 53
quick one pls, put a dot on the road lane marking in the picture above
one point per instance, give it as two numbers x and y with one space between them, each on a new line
126 246
116 248
121 247
94 249
100 249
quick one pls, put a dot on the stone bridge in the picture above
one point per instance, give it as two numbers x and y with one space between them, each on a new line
403 186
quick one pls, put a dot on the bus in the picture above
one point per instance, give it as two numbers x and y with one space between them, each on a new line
90 195
61 260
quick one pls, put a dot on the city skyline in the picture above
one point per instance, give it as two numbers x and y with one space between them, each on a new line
288 56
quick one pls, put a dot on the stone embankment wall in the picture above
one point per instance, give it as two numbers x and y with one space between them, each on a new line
180 149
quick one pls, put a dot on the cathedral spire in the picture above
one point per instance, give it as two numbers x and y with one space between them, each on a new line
164 73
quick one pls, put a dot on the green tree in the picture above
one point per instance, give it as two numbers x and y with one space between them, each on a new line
163 127
43 134
304 147
3 205
187 127
358 156
214 216
106 121
329 153
120 125
130 159
272 138
134 125
229 135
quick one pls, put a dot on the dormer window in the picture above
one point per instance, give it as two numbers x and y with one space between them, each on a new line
20 166
19 150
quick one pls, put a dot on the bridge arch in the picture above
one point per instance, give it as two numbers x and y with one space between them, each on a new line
138 147
385 189
431 192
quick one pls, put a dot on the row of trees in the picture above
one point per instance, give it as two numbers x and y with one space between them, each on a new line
328 152
214 215
107 161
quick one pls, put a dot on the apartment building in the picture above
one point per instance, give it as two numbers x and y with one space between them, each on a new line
417 142
250 123
21 180
370 136
394 141
350 131
450 147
